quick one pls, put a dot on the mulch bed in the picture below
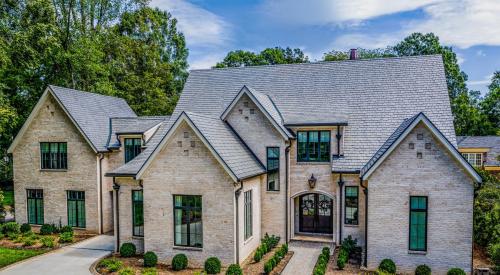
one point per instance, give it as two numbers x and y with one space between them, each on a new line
480 257
78 237
251 267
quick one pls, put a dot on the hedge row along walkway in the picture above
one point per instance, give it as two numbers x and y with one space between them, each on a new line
74 259
304 257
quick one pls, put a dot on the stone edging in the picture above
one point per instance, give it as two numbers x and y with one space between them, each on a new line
93 266
284 266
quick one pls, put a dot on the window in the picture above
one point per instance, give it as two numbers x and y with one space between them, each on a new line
313 146
475 159
35 206
132 148
187 221
418 223
273 168
351 205
137 213
54 155
248 214
76 209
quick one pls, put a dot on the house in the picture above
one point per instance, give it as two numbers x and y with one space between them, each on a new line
365 148
481 152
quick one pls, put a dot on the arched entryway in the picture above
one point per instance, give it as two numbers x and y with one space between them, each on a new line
315 213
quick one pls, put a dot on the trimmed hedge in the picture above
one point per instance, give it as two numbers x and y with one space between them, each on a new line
127 250
276 258
11 228
267 244
179 262
234 269
342 257
423 270
25 228
388 266
455 271
48 229
212 265
322 262
150 259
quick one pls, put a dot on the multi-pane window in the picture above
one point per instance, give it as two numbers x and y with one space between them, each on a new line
273 168
132 148
35 206
313 146
351 205
187 221
248 214
137 213
76 208
418 223
54 155
475 159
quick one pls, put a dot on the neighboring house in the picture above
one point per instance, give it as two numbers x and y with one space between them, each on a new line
481 151
364 148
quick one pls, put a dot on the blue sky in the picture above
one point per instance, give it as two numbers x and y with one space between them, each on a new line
212 28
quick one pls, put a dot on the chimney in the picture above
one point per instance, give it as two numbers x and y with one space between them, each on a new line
353 55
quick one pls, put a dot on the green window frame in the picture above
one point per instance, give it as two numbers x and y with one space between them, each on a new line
188 226
53 155
273 168
76 208
351 210
35 206
132 148
418 223
313 146
137 213
248 214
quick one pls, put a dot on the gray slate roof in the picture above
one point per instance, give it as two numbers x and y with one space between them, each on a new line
492 142
128 125
92 112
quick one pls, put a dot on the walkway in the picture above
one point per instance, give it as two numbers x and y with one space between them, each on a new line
304 258
74 259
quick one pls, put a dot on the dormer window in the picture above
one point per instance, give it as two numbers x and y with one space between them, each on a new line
475 159
132 148
313 146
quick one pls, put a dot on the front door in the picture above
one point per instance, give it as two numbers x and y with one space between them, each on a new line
315 214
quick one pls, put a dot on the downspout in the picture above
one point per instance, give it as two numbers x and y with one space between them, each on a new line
236 196
116 187
365 190
101 157
341 185
287 156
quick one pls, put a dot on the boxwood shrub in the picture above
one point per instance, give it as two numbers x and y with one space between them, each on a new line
423 270
150 259
25 228
455 271
47 229
179 262
11 228
388 266
127 250
212 265
234 269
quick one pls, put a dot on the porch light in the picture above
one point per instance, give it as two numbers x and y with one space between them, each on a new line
312 181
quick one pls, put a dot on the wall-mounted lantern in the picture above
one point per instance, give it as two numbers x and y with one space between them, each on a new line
312 181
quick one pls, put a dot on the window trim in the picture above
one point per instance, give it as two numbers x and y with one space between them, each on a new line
319 146
468 155
277 170
133 213
247 206
58 152
133 147
188 227
426 222
345 204
84 208
27 207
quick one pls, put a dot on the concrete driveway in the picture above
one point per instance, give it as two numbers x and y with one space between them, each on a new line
73 259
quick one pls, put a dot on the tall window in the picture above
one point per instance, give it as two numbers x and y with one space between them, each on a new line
418 223
313 146
475 159
187 221
35 206
248 214
351 205
137 213
273 168
76 208
132 148
54 155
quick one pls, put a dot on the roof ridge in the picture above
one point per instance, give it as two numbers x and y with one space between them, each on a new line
86 92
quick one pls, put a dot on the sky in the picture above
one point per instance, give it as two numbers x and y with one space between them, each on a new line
214 27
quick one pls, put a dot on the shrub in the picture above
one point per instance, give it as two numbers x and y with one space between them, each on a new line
387 265
48 241
66 237
486 205
258 255
423 270
234 269
179 262
325 250
150 259
11 228
268 267
342 258
25 227
212 265
111 265
47 229
126 271
66 228
28 241
349 244
127 250
1 235
150 271
494 252
455 271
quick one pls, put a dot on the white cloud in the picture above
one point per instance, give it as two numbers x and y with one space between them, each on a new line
483 82
480 53
460 59
360 40
206 62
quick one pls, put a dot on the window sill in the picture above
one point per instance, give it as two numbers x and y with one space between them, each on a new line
187 248
138 237
53 170
351 225
245 242
417 252
313 162
273 191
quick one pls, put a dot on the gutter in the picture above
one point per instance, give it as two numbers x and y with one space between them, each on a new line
116 187
287 156
339 135
236 196
101 157
365 190
341 185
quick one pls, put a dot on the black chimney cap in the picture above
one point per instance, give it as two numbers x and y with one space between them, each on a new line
352 54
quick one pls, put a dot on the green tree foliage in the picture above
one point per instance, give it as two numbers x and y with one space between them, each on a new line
361 53
487 211
269 56
490 105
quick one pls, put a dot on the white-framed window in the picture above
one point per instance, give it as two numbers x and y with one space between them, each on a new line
475 159
248 214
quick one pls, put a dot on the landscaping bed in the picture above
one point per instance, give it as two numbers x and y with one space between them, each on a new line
136 264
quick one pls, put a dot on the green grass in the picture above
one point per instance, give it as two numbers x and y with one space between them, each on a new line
11 255
8 197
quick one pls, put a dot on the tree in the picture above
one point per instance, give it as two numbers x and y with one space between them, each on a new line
490 105
268 56
361 53
468 118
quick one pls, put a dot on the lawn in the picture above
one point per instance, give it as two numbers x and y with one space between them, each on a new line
12 255
8 197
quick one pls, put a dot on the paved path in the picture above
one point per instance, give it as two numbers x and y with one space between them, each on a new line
305 255
74 259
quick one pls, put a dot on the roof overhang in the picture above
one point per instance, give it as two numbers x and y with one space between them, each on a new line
441 138
473 150
316 124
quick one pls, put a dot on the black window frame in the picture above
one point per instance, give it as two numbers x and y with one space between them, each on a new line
135 203
426 211
189 223
346 220
248 214
131 151
77 218
38 196
275 171
59 161
318 147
